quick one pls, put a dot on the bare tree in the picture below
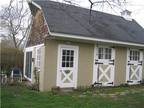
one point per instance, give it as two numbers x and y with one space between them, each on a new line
13 19
112 4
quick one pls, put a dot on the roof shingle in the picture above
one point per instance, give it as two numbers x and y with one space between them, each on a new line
69 19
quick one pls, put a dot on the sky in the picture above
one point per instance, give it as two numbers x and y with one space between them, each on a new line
135 6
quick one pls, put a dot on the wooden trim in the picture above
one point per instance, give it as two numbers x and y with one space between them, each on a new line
95 39
32 50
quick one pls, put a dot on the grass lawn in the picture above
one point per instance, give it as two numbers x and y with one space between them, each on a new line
121 97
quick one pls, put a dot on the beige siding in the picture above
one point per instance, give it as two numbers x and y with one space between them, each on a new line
48 78
50 66
120 65
85 68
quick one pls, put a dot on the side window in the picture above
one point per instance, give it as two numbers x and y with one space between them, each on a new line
134 55
38 57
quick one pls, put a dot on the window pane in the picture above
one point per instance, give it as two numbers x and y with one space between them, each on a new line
100 56
68 52
138 56
64 52
63 58
38 57
106 53
72 53
110 53
63 64
71 59
67 64
106 56
100 53
68 58
71 64
134 55
28 64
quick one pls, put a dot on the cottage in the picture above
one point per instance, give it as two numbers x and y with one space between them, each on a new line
72 48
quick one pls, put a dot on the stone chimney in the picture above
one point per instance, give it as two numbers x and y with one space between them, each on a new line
126 14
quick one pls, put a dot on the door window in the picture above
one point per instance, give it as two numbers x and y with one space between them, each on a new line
67 58
134 55
104 53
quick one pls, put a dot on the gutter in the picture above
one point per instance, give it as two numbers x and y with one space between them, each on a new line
94 39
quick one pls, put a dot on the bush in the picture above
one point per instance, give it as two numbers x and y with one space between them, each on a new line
11 57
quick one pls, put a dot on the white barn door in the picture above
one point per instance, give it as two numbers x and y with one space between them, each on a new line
134 66
104 66
67 66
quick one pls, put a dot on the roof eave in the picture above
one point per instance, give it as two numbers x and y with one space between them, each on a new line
35 4
94 39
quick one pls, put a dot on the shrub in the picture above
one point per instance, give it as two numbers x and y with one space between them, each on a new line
11 57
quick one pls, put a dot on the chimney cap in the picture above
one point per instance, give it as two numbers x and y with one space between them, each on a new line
126 14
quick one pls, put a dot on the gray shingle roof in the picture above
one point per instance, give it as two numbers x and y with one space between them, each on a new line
68 19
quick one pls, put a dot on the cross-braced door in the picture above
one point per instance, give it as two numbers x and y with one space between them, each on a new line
67 66
104 66
134 66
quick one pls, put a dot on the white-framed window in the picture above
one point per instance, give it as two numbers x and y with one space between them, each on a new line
104 53
134 55
38 57
67 58
28 64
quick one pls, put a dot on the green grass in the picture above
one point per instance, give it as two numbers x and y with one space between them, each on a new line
22 97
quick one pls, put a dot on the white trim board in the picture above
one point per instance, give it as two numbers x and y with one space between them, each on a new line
94 39
38 6
30 49
27 49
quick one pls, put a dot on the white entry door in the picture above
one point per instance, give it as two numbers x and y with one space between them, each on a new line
67 66
134 66
104 66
